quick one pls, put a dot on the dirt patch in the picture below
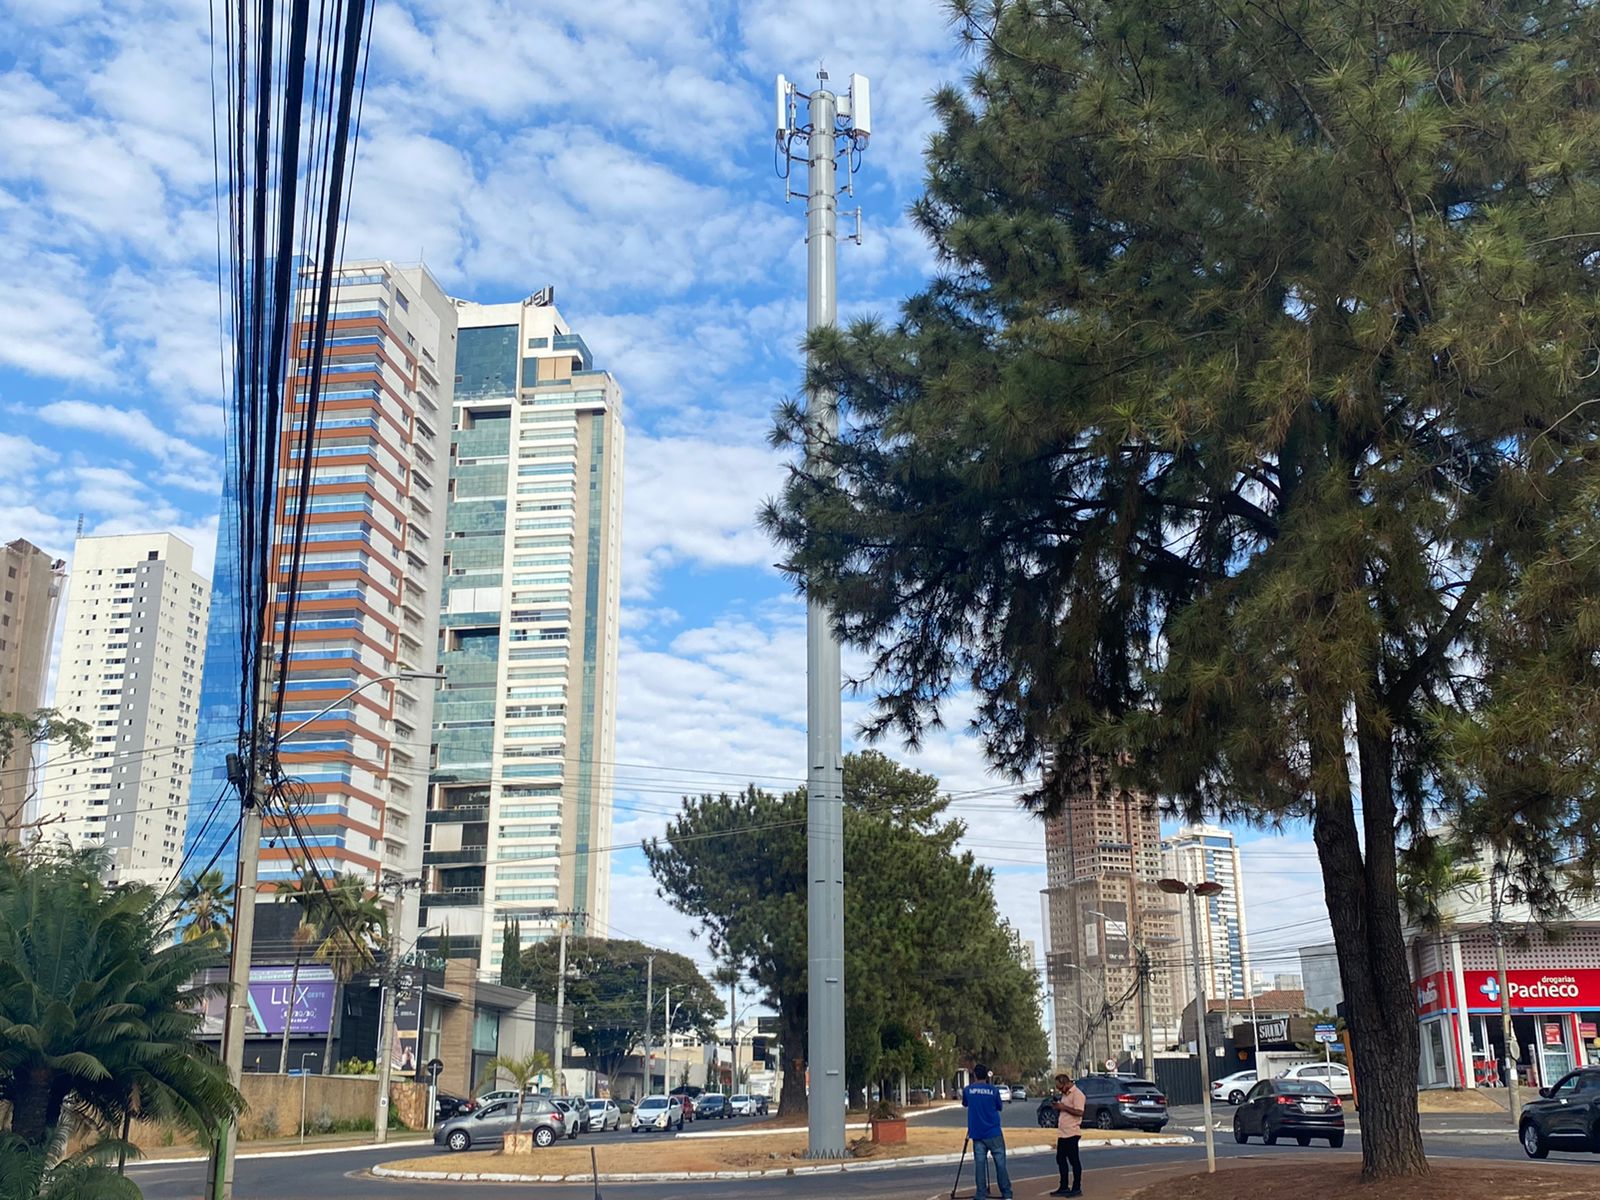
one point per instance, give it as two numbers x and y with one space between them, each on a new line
1476 1101
651 1153
1338 1179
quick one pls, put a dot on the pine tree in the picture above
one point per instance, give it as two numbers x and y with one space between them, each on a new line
1245 411
512 971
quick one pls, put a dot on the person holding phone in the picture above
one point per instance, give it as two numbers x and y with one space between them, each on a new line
1069 1129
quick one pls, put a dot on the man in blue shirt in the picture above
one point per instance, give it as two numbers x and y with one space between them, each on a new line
982 1101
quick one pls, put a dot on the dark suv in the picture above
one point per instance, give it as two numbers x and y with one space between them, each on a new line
1565 1117
1117 1102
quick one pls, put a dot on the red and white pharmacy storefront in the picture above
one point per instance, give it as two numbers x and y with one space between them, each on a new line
1555 1009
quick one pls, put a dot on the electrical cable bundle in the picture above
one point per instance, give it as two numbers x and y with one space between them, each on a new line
290 77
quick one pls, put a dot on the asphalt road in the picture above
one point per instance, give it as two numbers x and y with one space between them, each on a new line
342 1176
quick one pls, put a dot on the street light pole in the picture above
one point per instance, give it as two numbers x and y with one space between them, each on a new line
303 1057
1178 887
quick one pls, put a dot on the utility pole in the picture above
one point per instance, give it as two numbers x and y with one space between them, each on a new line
561 1009
733 1034
649 1011
824 721
666 1039
252 795
1513 1053
388 1001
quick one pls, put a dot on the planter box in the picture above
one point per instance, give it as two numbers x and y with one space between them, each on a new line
889 1133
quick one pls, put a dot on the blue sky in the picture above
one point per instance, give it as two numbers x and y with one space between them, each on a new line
621 151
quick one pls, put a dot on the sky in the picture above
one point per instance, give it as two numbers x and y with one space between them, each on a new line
620 150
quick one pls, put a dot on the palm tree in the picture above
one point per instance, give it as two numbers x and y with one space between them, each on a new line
301 891
207 907
524 1072
351 923
99 1011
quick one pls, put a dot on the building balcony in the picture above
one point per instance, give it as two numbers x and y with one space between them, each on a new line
466 856
461 813
454 898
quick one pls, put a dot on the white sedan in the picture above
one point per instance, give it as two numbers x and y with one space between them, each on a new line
604 1115
742 1104
1233 1088
1336 1076
1005 1094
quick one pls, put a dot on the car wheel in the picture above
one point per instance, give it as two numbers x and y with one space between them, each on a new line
1269 1137
1533 1143
458 1139
1335 1140
1104 1120
1044 1121
543 1136
1239 1135
1303 1139
1236 1097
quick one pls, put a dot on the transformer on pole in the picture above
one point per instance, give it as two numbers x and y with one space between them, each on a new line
839 126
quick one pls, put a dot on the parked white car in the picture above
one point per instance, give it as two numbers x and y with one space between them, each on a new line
1336 1076
1005 1094
742 1104
1233 1088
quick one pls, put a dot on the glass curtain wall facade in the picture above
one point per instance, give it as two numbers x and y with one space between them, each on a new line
366 605
525 726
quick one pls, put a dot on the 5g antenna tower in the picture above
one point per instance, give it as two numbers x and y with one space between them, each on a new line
839 128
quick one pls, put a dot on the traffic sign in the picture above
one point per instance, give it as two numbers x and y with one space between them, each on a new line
1326 1033
434 1067
1111 1064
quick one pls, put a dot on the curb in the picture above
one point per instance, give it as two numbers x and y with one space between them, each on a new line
295 1153
921 1160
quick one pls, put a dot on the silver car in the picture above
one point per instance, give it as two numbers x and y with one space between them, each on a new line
488 1126
604 1115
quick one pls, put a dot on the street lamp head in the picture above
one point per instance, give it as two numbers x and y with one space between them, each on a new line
1209 888
1175 886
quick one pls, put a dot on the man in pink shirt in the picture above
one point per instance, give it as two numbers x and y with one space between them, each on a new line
1069 1127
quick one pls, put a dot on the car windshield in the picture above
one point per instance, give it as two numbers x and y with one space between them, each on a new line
1303 1087
652 1105
594 1105
740 1097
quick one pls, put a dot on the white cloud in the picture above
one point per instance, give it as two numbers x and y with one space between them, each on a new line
694 500
135 428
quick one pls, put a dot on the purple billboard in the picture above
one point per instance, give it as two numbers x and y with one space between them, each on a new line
270 1003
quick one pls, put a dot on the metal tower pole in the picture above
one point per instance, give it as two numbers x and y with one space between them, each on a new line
235 1017
825 1104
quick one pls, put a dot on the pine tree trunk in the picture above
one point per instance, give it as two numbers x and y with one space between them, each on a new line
792 1035
1364 910
335 1019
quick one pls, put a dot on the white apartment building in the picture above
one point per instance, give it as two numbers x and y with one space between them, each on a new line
1204 852
131 659
524 731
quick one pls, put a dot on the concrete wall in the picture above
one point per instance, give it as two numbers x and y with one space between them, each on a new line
336 1100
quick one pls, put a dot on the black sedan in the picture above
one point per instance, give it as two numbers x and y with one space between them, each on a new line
446 1106
1297 1108
1565 1117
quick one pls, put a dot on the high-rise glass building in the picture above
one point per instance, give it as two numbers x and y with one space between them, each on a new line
367 605
525 724
131 657
1201 853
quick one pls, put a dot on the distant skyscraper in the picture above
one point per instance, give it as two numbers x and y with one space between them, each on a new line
368 600
131 658
1102 860
30 594
525 726
1194 855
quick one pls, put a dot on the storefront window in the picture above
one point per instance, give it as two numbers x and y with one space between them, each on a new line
1435 1069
